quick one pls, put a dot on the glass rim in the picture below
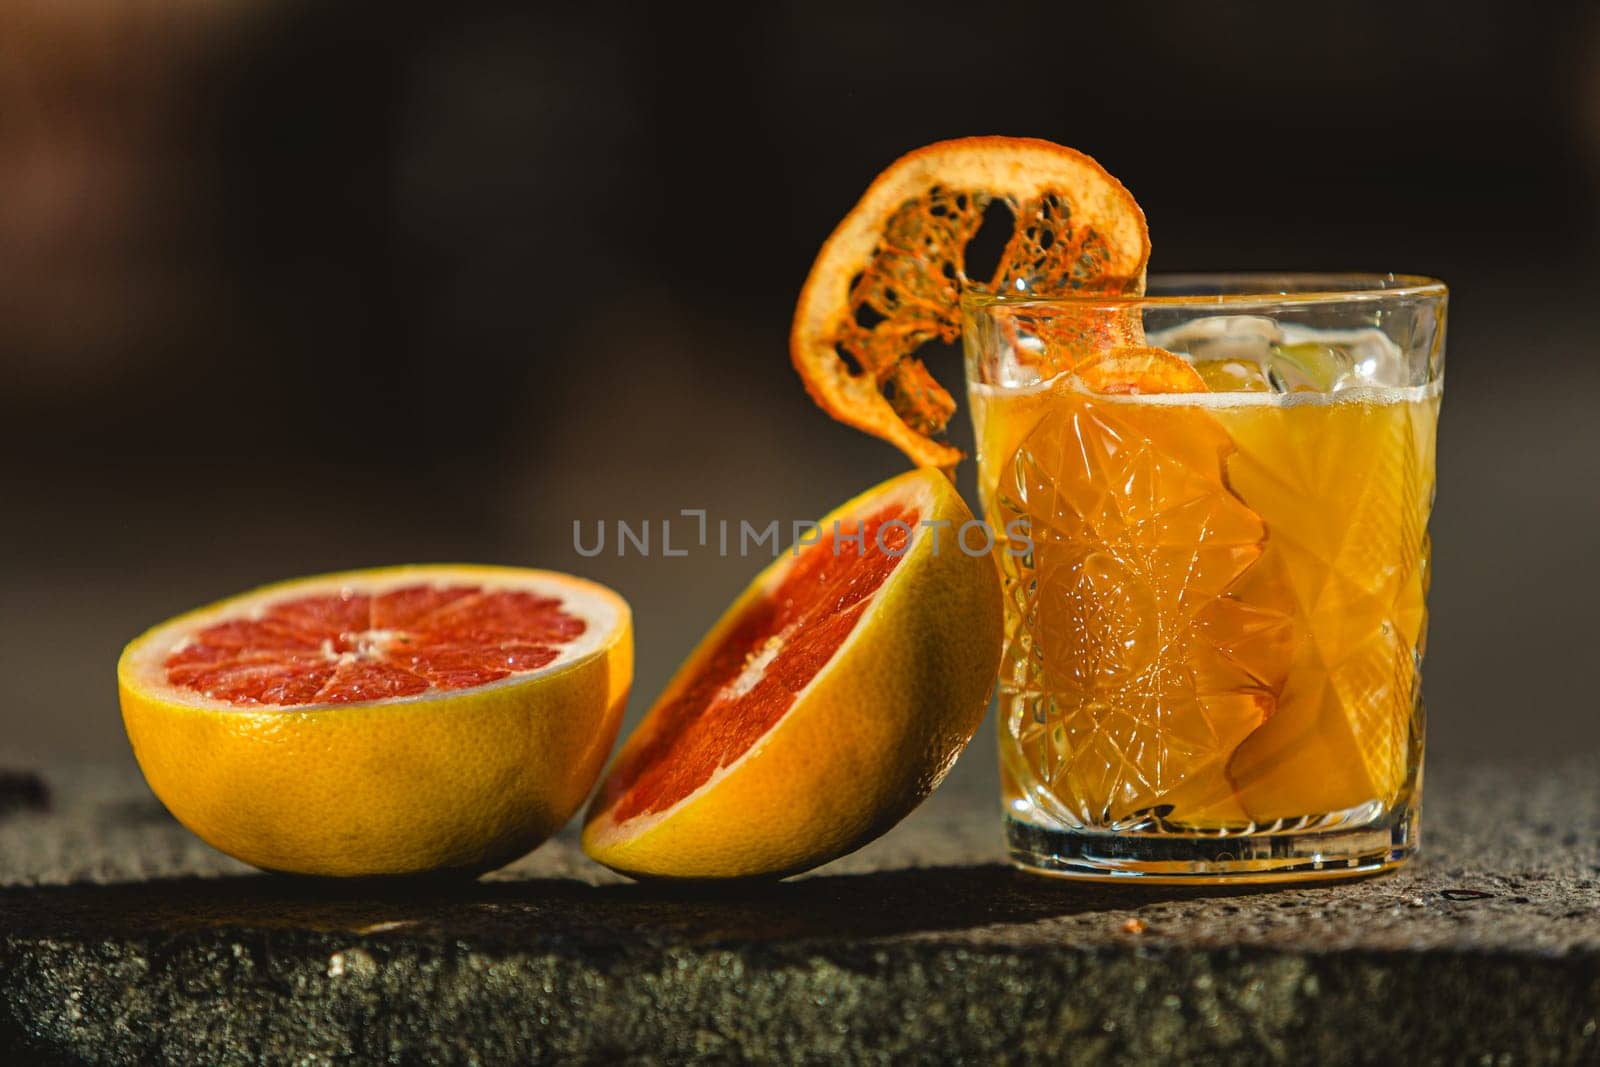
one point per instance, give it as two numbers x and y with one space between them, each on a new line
1232 289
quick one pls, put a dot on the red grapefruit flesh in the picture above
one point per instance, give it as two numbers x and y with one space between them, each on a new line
346 646
758 668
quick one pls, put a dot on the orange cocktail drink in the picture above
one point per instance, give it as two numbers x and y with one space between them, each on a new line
1214 574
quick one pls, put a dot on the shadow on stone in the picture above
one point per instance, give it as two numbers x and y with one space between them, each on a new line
22 791
549 913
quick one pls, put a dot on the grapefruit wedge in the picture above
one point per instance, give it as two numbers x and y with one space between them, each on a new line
378 722
829 700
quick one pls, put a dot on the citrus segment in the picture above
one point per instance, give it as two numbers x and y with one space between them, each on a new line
757 669
1131 371
1353 565
827 702
889 278
381 722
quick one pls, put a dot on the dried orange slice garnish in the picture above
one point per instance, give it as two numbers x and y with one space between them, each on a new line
889 278
1127 371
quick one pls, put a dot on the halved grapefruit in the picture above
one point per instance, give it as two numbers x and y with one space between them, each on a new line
385 721
890 276
828 701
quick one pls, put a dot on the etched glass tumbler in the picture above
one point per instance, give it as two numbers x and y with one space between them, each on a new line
1211 505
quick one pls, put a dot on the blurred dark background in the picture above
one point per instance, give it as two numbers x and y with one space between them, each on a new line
292 287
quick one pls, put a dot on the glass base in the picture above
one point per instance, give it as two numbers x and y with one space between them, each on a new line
1215 858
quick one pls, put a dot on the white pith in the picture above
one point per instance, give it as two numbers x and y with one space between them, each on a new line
602 612
755 666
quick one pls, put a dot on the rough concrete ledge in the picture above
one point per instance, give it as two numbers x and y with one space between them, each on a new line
125 941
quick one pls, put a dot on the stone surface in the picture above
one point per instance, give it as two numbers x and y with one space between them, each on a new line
125 940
